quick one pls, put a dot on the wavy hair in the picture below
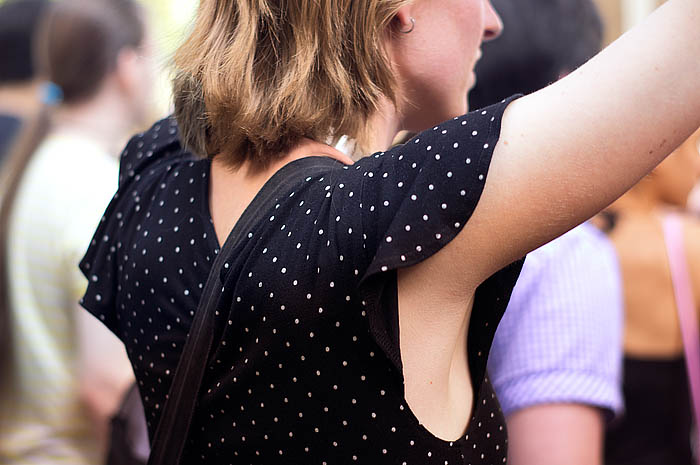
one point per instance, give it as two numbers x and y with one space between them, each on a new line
256 76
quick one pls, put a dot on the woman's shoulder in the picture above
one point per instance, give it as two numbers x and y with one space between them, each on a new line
691 225
145 150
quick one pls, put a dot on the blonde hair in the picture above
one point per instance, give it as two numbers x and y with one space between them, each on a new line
256 76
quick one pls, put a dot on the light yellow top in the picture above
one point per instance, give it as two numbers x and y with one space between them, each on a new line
65 190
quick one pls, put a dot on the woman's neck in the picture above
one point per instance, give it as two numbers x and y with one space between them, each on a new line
232 189
641 199
385 124
101 119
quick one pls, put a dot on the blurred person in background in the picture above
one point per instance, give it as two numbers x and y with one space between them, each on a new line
694 197
19 89
556 358
67 374
545 40
656 427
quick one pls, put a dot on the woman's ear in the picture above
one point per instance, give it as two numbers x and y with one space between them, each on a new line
128 72
398 30
403 21
135 82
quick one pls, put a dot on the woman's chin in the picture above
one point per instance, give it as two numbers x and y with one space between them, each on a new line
472 80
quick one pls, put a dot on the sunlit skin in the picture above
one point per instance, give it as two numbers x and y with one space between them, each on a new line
436 60
554 434
651 321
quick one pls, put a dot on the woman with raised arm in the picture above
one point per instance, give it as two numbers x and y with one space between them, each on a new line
359 305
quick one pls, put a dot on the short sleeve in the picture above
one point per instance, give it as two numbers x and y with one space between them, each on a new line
560 338
418 196
100 265
146 149
415 199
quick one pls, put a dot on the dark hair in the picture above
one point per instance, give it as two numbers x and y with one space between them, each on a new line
18 23
81 41
541 40
78 44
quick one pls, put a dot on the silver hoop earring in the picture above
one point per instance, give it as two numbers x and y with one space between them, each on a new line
413 25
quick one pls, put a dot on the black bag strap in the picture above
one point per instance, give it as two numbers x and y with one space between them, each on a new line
176 417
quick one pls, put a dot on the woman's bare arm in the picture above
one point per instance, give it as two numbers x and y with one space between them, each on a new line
568 150
552 434
105 373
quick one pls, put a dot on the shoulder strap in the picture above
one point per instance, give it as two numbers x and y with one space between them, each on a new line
685 303
173 427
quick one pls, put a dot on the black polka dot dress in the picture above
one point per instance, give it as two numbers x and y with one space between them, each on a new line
306 367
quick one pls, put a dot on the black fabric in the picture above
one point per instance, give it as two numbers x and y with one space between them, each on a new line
656 427
9 128
176 419
306 365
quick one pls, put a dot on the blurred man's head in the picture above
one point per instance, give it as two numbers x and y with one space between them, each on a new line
542 41
96 53
18 22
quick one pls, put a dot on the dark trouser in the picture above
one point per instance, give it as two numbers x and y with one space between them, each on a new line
657 423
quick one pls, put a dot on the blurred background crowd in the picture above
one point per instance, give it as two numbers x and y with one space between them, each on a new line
591 362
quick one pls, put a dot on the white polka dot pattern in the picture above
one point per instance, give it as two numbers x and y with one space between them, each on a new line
306 366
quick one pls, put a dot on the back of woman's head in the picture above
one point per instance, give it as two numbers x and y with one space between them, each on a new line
256 76
77 46
80 43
